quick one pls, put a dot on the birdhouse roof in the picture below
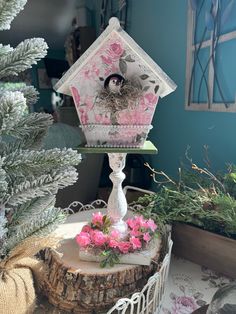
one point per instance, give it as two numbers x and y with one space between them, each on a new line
114 29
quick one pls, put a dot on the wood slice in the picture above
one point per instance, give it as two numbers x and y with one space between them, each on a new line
83 287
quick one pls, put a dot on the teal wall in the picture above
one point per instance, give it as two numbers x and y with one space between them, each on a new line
159 27
44 101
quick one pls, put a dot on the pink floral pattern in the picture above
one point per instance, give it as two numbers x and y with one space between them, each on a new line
114 56
190 286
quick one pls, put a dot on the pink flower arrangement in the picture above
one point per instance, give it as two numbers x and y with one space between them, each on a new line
99 237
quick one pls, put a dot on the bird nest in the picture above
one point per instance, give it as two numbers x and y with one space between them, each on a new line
127 97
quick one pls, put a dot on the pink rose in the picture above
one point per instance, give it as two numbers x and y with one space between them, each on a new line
151 224
184 305
86 228
146 237
99 238
136 243
124 247
83 239
97 219
115 50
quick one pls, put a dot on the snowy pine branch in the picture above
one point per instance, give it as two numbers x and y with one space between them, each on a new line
41 186
8 11
30 123
36 163
12 108
38 225
5 49
27 53
3 181
29 92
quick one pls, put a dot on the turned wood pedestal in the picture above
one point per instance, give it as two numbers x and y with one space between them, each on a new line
83 287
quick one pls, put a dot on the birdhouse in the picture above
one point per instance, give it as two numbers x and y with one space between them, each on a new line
115 87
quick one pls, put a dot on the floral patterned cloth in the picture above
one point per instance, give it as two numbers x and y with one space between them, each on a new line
190 286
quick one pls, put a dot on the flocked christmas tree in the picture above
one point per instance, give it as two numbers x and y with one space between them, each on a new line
29 177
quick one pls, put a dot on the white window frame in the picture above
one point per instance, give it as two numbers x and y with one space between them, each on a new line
212 106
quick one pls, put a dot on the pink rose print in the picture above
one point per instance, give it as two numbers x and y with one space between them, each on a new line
184 305
151 98
115 50
102 119
106 60
134 117
83 116
76 95
90 71
148 101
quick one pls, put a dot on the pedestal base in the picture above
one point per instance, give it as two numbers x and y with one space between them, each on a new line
82 287
144 257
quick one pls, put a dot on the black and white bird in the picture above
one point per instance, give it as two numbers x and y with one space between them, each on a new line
113 83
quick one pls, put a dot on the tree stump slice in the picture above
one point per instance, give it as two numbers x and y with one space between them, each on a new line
84 287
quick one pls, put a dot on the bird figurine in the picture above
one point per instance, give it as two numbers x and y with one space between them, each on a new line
113 83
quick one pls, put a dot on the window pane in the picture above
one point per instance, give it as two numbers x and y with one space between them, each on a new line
200 21
230 23
226 71
200 88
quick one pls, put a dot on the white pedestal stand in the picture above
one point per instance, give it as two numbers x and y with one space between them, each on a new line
117 204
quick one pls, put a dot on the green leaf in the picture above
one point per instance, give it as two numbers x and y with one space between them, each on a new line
123 66
156 89
144 76
146 88
129 59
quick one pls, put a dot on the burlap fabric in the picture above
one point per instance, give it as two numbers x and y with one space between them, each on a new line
17 273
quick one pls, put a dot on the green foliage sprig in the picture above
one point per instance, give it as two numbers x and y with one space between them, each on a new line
198 197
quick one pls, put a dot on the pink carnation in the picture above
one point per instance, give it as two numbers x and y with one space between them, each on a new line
124 247
86 228
151 224
113 243
115 234
146 237
135 232
99 238
83 239
136 243
140 221
131 223
97 218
